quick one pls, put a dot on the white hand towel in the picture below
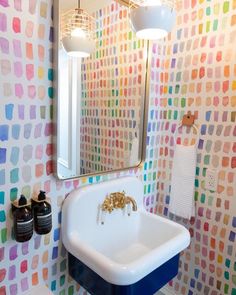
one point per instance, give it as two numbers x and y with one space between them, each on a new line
183 181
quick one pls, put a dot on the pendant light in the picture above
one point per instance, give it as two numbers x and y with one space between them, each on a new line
152 19
78 32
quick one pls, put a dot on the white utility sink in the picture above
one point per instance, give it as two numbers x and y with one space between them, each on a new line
125 248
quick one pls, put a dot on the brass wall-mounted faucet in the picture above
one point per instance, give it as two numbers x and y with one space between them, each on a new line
118 200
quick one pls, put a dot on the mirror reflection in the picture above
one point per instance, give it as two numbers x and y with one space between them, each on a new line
100 99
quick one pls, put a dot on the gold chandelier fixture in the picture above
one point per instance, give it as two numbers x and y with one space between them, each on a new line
78 32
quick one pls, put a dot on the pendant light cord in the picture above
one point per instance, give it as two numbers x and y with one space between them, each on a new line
78 3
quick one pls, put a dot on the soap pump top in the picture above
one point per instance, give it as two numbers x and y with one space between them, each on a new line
42 196
22 201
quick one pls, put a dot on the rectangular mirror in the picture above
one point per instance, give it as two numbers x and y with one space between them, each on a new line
100 100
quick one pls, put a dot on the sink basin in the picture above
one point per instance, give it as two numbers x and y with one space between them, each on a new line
125 249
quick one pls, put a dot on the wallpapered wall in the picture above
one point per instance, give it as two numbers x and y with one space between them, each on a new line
26 97
194 69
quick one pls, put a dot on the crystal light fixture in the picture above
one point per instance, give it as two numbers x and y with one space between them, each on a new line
152 19
78 32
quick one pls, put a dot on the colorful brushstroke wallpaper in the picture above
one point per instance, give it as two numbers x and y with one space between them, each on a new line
193 69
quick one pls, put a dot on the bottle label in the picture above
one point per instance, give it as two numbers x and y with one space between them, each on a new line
44 221
24 227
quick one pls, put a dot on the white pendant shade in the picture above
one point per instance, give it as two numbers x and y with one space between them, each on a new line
78 47
152 19
78 33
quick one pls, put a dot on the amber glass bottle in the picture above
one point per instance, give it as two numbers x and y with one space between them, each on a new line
23 220
42 214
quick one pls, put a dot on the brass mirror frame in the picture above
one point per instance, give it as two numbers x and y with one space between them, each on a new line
123 2
145 111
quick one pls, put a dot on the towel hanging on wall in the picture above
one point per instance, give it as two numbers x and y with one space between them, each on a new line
183 176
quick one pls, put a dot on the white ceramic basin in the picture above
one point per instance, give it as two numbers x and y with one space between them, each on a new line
126 248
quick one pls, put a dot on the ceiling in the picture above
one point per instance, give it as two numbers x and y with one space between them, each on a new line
88 5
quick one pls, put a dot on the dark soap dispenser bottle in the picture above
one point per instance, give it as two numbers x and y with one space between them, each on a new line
42 214
23 220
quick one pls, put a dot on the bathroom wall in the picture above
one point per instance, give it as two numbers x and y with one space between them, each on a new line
26 129
193 70
26 96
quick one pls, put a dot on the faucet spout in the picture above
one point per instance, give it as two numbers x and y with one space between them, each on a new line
133 202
